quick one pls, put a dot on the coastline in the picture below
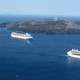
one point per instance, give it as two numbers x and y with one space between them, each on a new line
49 26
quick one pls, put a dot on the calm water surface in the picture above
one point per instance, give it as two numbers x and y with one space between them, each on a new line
43 58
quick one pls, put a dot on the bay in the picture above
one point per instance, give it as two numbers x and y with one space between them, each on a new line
43 58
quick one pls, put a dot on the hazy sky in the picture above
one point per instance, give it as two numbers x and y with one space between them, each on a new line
41 7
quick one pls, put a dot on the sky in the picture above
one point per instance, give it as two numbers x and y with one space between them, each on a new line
40 7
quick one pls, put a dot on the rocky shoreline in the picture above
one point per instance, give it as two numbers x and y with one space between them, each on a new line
49 26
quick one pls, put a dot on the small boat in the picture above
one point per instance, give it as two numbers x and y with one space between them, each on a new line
21 35
75 53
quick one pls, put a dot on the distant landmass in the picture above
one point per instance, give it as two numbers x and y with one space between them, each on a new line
50 25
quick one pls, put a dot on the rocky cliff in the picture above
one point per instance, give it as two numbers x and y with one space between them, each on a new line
46 25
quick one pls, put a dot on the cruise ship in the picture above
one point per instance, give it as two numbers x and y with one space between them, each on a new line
74 53
21 35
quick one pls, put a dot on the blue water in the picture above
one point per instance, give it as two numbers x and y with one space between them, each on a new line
13 18
43 58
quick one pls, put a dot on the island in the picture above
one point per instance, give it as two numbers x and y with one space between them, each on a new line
50 26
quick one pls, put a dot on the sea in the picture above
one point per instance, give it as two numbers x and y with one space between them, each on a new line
42 58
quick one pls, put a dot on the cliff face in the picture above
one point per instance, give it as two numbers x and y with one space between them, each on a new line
48 26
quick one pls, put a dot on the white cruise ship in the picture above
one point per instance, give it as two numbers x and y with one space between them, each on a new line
74 53
21 35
